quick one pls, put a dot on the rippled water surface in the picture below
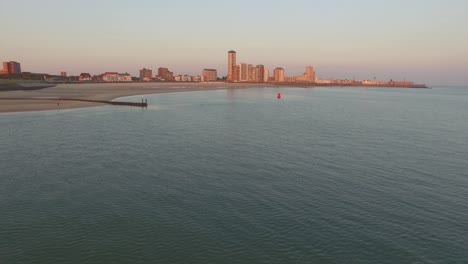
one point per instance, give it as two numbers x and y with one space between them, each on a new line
237 176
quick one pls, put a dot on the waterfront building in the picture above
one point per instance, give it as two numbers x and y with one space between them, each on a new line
165 74
231 64
63 74
244 72
260 71
110 77
323 81
308 76
266 75
278 74
199 78
210 75
85 77
146 75
252 73
11 67
187 78
125 77
236 73
116 77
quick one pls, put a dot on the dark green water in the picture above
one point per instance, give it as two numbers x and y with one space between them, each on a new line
321 176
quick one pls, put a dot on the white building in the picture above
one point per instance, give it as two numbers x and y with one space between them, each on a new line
116 77
125 77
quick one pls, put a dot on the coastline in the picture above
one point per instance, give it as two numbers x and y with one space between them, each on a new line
46 98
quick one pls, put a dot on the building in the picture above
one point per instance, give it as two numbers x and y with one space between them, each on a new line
63 74
244 72
323 81
110 77
210 75
260 73
231 64
308 76
11 67
278 74
252 73
165 74
85 77
116 77
187 78
266 75
199 78
4 70
125 77
146 75
236 74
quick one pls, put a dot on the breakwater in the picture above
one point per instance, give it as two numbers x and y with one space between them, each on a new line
143 104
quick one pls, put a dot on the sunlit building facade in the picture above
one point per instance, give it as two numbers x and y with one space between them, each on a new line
278 74
231 64
11 67
210 75
146 75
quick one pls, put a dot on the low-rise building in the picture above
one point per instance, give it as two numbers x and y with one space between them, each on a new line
85 77
116 77
125 77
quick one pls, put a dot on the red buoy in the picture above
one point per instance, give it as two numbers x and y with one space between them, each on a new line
279 96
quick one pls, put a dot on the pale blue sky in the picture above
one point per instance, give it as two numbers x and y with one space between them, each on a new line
425 41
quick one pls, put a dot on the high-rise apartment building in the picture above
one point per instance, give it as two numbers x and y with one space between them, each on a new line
252 73
244 72
146 74
231 64
266 75
279 74
210 75
260 73
236 73
11 67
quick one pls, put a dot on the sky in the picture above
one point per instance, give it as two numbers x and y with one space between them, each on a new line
422 41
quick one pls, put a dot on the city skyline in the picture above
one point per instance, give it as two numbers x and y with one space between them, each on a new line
424 41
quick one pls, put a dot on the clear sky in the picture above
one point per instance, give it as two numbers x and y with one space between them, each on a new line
420 40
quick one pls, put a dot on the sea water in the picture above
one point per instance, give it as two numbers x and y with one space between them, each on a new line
324 175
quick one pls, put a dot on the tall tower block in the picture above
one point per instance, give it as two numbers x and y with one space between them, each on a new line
231 64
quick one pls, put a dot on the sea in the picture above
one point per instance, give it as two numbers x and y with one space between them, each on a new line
322 175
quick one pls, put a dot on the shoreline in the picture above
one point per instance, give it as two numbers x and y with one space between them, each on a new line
86 95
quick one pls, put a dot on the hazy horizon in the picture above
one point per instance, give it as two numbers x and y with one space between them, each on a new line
421 41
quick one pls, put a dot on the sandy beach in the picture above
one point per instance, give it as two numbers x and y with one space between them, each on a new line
98 91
